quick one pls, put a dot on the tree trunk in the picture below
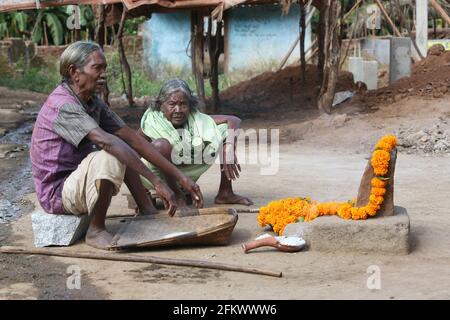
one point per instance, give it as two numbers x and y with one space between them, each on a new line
332 55
215 48
321 34
197 53
123 59
302 39
100 26
77 34
45 34
98 37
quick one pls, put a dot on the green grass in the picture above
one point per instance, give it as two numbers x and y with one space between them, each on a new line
36 79
44 79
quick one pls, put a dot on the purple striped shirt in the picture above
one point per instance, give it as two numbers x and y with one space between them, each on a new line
59 143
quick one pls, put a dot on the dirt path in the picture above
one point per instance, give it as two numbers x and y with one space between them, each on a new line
323 174
326 162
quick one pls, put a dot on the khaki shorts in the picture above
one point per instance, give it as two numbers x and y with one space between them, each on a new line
80 190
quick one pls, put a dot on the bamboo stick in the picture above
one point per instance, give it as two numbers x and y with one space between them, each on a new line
389 20
138 258
394 28
191 211
440 10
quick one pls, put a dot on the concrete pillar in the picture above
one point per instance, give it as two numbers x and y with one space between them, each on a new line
422 26
400 59
370 74
356 68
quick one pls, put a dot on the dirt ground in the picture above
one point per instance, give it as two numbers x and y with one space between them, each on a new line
320 156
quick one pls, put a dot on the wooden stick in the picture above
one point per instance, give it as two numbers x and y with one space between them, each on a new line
193 211
440 10
138 258
394 28
386 15
294 44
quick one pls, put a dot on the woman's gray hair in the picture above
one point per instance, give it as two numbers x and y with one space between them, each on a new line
76 54
174 85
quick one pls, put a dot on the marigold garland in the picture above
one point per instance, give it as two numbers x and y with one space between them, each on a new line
280 213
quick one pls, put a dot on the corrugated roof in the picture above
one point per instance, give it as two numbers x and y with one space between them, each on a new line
12 5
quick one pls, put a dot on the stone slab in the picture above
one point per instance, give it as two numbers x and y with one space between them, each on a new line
400 65
370 74
57 229
378 235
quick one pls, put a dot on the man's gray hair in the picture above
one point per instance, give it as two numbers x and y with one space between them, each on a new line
76 54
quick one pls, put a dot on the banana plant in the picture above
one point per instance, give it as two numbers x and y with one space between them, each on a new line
50 20
14 24
3 26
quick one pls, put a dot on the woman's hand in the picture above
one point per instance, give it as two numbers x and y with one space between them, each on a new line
230 164
167 196
193 189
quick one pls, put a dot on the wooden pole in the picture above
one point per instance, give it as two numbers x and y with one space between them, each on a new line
215 48
302 25
99 37
294 44
421 24
139 258
100 26
123 58
440 10
197 53
322 35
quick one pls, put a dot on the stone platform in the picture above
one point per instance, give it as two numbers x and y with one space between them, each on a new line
382 235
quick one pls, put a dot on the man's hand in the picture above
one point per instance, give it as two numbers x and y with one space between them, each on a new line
230 166
194 190
167 196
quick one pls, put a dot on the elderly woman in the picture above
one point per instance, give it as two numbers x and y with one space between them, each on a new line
81 151
191 140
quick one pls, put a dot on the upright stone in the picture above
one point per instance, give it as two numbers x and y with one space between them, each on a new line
57 229
355 67
400 60
387 208
370 74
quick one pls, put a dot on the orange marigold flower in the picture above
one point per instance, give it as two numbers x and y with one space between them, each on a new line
378 191
375 200
384 146
282 212
378 183
391 140
372 209
380 162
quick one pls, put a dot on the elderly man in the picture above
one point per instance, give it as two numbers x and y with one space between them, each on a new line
81 151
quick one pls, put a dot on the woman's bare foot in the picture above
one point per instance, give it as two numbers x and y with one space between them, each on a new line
232 198
98 238
146 212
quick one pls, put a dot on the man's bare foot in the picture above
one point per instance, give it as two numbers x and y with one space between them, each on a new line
98 238
232 198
